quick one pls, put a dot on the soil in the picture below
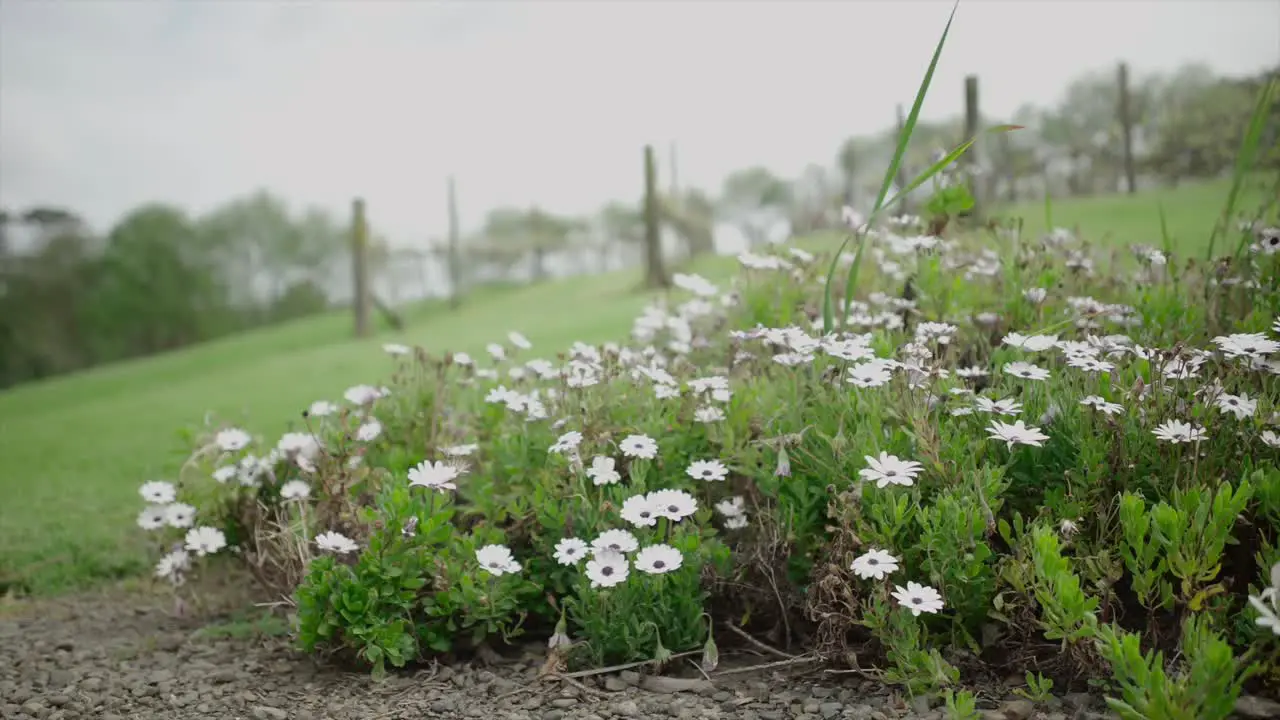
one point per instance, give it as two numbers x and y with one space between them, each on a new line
127 653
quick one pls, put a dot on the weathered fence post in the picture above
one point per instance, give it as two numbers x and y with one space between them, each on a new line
972 120
454 259
901 180
1126 128
655 273
675 179
360 267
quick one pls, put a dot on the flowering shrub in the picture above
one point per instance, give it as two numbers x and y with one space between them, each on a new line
1029 462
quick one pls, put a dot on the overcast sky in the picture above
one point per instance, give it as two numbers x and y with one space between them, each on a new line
107 104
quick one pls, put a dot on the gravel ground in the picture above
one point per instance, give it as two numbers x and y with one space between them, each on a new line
120 654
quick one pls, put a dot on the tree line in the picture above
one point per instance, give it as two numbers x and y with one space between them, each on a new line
159 278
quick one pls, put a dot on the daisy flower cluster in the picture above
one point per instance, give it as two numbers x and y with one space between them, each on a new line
931 454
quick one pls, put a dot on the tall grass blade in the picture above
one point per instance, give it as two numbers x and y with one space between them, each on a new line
1165 237
904 138
1246 158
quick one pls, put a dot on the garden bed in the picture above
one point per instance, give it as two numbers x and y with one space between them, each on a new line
125 654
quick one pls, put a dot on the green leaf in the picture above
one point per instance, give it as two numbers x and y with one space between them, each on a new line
903 139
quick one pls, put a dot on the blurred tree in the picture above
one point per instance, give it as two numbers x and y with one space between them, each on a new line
155 288
814 200
1198 122
755 200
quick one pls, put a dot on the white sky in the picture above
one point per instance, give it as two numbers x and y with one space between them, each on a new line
106 104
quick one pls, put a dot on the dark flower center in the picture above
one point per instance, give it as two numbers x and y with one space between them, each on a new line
916 600
673 509
495 565
606 571
658 564
873 561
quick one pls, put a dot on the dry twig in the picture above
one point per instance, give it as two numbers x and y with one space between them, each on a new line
799 660
768 648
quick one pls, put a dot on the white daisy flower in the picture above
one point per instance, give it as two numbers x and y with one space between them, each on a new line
889 470
658 559
295 490
1239 405
232 439
1006 406
570 550
869 374
298 444
733 507
1033 343
1016 434
158 492
874 563
566 443
607 569
153 517
437 475
1266 605
639 511
602 471
674 505
619 541
736 523
225 473
179 515
1247 345
395 349
362 394
335 542
205 540
1090 364
639 446
497 560
321 408
462 358
918 598
1176 431
708 414
369 431
1269 437
460 450
1100 403
667 392
1027 371
709 470
1035 295
172 566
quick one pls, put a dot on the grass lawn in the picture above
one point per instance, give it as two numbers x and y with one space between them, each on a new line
1190 211
75 449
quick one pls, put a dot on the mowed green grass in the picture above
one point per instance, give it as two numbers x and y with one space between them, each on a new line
74 450
1190 211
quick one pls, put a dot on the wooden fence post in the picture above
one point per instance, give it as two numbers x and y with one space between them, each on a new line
972 119
901 180
655 273
454 259
1126 128
360 267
